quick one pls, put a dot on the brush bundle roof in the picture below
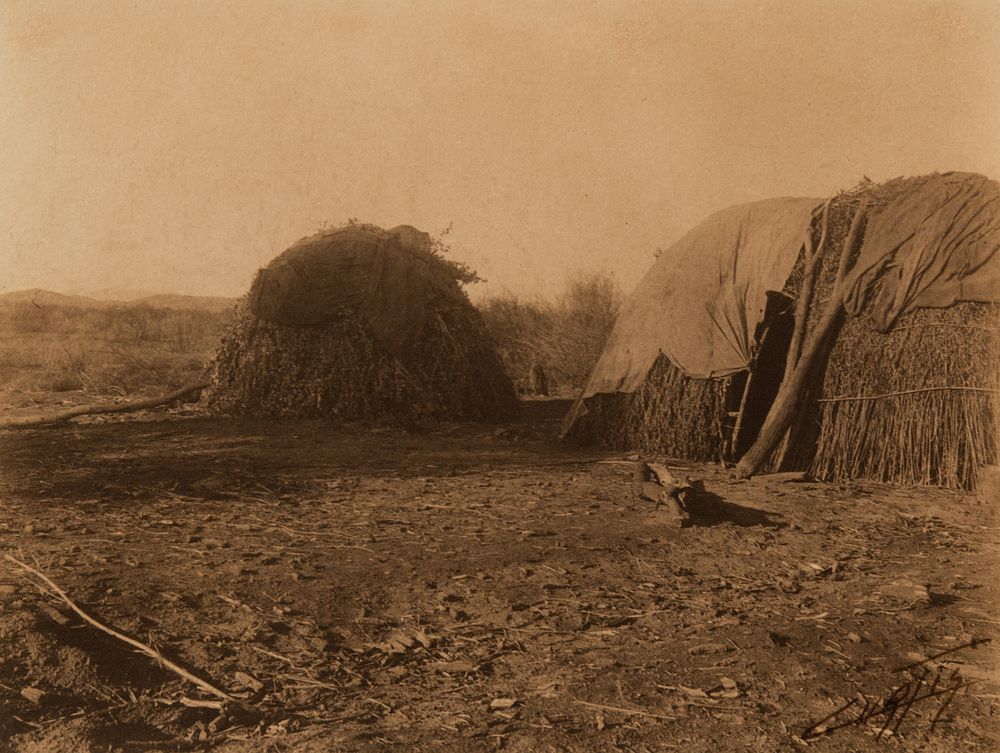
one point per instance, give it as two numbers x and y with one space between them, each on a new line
360 323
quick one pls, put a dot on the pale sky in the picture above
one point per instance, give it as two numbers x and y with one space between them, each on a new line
178 146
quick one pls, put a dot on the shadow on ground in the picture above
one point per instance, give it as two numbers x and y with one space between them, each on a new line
709 509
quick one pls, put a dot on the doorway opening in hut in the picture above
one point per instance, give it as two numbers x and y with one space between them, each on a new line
751 393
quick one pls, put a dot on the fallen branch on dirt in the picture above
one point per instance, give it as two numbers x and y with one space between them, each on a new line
621 710
197 703
787 477
93 410
142 647
892 708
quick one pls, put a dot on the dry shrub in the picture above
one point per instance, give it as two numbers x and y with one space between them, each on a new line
177 329
110 370
565 336
103 351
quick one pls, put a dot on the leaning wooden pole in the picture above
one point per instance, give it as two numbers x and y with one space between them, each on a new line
813 256
92 410
786 403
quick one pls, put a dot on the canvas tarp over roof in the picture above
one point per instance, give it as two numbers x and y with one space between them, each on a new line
931 246
373 274
702 299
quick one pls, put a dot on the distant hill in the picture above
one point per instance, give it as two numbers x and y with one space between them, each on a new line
118 295
199 302
49 298
214 304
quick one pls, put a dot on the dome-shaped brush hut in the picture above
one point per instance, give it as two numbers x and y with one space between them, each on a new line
360 323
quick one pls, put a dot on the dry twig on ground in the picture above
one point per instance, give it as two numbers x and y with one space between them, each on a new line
142 647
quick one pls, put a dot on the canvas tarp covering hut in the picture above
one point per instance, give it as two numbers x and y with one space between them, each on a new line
931 246
701 301
927 243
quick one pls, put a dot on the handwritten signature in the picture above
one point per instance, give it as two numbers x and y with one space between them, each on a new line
886 714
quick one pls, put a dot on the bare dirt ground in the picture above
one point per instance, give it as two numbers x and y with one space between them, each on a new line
462 589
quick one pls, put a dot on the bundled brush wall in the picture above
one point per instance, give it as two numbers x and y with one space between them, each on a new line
671 414
337 370
916 405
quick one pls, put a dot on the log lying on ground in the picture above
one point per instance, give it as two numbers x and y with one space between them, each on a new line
787 477
656 483
93 410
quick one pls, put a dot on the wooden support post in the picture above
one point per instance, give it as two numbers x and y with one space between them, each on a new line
735 438
786 403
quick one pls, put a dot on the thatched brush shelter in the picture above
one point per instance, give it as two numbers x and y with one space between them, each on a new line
360 323
674 373
855 338
906 387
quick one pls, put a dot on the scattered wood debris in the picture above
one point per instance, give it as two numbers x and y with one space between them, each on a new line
656 483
